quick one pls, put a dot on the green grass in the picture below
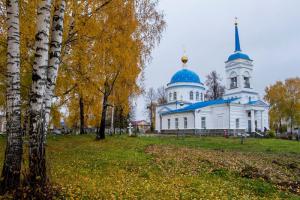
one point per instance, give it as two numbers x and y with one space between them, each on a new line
251 144
122 167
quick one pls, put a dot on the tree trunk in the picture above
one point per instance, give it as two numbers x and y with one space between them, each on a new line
54 58
292 123
101 132
121 125
10 178
280 126
37 154
151 118
81 110
112 120
25 126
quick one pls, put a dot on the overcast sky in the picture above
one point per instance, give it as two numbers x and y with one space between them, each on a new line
269 34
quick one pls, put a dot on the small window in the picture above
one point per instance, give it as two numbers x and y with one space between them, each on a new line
249 114
246 82
197 96
185 122
237 123
233 82
201 96
176 123
249 99
175 96
191 95
203 122
169 123
170 96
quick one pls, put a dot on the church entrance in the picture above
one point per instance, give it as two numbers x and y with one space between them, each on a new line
249 126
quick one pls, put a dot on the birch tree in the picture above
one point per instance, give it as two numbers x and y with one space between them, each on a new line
37 158
10 178
54 57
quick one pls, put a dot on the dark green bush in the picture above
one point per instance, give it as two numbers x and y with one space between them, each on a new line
271 134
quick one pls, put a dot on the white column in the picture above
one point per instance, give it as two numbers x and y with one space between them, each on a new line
240 81
252 121
262 122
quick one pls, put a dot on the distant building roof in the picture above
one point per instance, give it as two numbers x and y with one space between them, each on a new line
140 122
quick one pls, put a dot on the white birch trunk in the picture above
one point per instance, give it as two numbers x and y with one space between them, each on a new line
112 120
54 58
37 157
10 177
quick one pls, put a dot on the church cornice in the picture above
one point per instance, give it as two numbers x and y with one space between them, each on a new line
238 63
243 91
185 85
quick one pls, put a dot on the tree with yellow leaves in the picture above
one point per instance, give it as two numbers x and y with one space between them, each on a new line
107 56
105 48
284 99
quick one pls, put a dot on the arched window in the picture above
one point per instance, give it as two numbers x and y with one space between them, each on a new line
233 80
170 96
246 80
202 97
175 96
197 96
191 95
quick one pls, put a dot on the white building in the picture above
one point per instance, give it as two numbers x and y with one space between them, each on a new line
240 109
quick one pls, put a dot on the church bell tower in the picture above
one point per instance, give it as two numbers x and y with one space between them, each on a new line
239 74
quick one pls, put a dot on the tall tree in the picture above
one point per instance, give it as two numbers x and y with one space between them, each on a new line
54 57
284 99
215 89
292 99
151 99
275 95
37 154
162 97
10 178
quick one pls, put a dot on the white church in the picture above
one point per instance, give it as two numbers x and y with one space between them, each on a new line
240 110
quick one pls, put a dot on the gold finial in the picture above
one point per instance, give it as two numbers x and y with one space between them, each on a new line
184 59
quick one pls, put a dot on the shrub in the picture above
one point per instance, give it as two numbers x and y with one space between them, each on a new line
271 134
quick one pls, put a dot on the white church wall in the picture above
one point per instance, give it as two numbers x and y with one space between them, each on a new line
237 111
220 117
164 108
180 117
217 117
204 112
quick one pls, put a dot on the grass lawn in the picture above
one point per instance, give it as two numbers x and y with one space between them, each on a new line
122 167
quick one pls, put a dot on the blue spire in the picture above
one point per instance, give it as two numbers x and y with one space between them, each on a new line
237 39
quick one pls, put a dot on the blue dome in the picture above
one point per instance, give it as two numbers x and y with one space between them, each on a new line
185 75
238 55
